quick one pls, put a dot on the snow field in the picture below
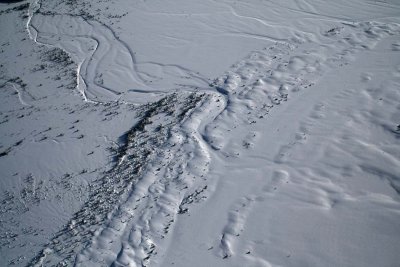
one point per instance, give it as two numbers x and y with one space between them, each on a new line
288 158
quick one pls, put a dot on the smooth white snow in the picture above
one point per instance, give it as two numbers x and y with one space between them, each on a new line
200 133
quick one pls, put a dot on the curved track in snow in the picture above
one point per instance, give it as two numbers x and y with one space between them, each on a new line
107 66
92 45
236 149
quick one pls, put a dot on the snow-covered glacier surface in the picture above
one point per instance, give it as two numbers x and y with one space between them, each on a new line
200 133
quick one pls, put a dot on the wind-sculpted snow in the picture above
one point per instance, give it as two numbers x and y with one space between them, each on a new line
288 158
268 77
131 207
311 167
